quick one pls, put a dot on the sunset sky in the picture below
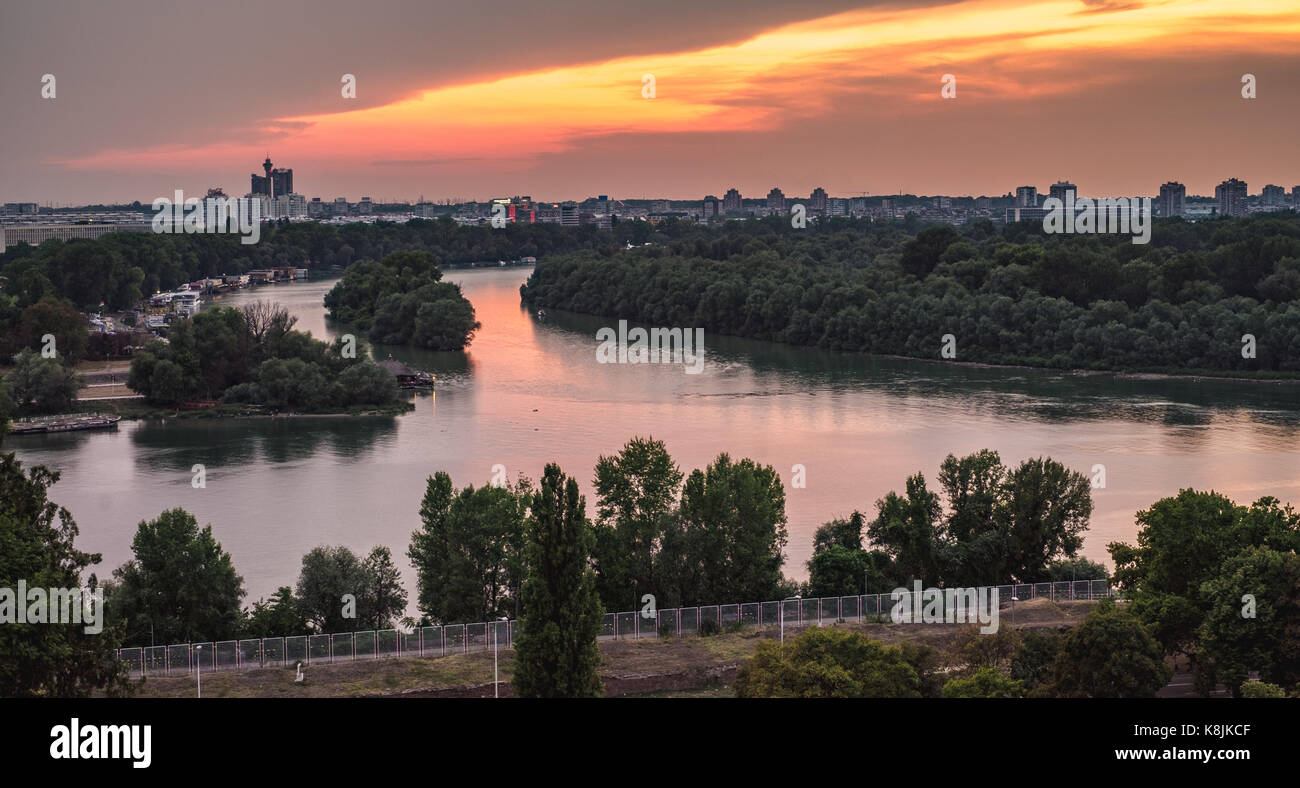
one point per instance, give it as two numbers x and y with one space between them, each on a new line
454 100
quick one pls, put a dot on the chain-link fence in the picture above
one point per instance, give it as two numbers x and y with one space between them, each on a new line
438 641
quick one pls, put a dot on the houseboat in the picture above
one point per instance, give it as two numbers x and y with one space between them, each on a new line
65 423
407 378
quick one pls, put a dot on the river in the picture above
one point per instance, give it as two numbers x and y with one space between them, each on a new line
530 392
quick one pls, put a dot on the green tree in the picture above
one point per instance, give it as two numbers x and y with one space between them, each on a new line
59 318
636 491
180 587
1183 543
37 546
384 599
1036 659
1110 655
907 528
840 567
339 592
734 516
1252 621
468 553
278 617
827 663
556 653
1046 512
41 385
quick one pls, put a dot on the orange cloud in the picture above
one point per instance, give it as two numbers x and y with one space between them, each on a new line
1007 49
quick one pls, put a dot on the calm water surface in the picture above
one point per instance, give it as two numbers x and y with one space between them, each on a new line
527 393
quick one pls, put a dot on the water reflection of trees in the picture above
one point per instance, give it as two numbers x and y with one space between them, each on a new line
1038 394
178 445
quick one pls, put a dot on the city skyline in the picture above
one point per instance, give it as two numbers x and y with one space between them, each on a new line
750 96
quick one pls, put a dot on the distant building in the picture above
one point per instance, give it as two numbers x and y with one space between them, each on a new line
776 201
712 210
731 201
1231 197
817 201
1274 196
1026 197
1172 200
273 182
569 214
836 206
1060 189
21 208
1031 214
365 207
35 235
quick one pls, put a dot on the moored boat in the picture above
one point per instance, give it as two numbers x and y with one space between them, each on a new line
64 423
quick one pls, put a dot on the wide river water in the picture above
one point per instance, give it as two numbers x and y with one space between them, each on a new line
528 392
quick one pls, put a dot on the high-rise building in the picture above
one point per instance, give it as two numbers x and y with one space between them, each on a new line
1172 200
569 214
731 201
1274 196
1231 196
273 183
1026 196
776 200
1060 188
712 209
817 201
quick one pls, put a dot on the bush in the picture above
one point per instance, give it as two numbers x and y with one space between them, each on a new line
1261 689
827 663
984 683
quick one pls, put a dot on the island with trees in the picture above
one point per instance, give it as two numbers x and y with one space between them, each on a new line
1219 297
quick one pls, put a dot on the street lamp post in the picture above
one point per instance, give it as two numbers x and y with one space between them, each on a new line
496 677
198 669
1014 600
782 614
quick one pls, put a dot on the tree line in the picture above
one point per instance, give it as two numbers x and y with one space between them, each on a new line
1208 579
1013 295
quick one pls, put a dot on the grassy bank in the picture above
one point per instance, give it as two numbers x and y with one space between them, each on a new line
691 666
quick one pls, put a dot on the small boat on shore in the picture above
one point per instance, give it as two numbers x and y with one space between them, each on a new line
68 422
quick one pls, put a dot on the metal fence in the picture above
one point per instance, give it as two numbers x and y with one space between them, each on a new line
438 641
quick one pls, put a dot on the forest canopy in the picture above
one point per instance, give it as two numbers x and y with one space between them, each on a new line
1010 295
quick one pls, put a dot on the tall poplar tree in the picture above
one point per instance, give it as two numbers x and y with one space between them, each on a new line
556 654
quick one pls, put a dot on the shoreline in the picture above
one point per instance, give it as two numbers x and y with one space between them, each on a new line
1273 377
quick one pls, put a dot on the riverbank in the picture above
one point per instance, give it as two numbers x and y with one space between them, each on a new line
1134 374
133 409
